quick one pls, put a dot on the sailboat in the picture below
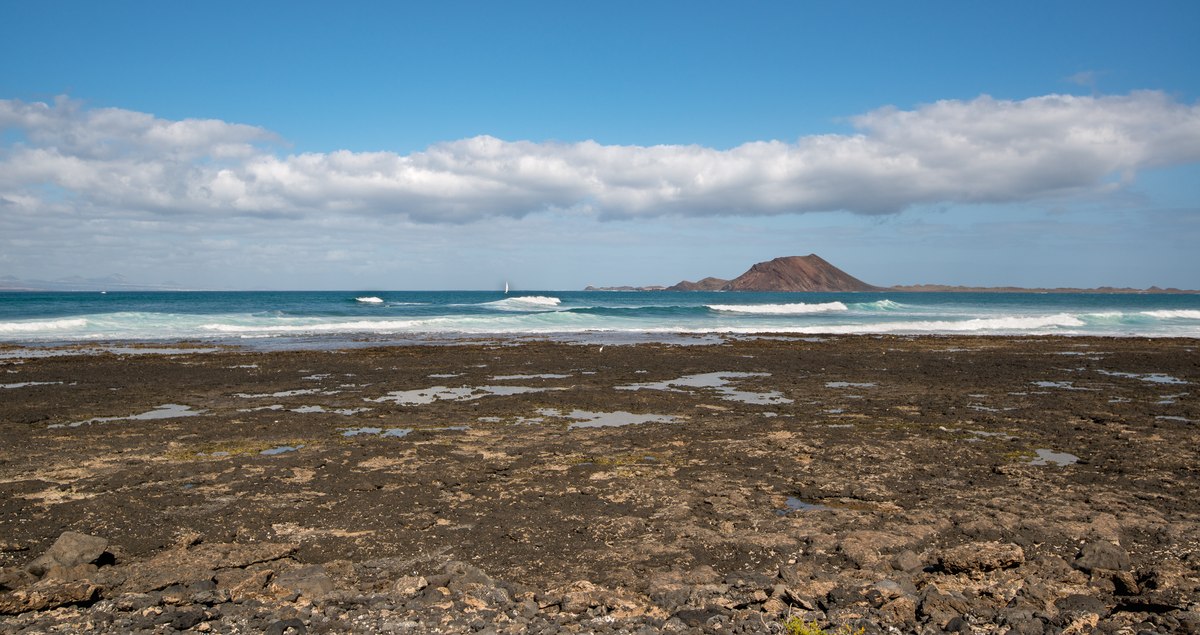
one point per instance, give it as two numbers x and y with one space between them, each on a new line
506 287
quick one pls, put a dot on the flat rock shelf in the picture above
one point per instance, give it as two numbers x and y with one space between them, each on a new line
889 484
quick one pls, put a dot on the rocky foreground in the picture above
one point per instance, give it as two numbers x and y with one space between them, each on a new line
929 485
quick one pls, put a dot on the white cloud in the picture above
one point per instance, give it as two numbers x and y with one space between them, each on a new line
107 161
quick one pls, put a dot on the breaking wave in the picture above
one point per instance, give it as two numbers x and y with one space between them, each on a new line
42 326
369 299
798 308
1181 314
525 303
878 305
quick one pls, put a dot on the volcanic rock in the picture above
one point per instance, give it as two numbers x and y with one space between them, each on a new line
706 284
791 273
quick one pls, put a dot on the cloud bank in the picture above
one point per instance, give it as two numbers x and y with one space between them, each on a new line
63 156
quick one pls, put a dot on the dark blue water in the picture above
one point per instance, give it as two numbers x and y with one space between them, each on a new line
380 315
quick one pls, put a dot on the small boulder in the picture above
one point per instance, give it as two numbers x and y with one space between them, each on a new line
71 549
981 556
1102 555
311 582
408 586
907 561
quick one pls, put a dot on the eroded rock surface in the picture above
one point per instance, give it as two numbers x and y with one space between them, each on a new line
894 488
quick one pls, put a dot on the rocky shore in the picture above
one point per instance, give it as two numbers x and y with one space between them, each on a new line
769 485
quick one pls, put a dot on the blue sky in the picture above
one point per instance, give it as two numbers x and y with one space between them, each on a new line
559 144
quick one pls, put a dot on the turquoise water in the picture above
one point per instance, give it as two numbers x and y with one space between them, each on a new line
330 317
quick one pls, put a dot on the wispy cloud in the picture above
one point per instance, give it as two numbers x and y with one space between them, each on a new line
62 157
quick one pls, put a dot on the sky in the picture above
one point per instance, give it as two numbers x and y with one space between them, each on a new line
458 145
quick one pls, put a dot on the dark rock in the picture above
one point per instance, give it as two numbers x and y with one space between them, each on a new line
957 625
71 549
293 626
1102 555
1078 603
699 617
186 618
1027 626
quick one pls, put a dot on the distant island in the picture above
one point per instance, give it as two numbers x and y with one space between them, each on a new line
813 273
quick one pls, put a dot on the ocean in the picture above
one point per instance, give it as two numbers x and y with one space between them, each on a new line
287 319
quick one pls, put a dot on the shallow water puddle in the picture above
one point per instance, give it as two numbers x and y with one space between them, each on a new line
1155 378
30 383
1063 385
429 395
796 505
346 412
538 376
979 435
849 384
1166 400
286 393
282 449
1046 456
1172 418
165 411
589 419
270 407
383 432
719 382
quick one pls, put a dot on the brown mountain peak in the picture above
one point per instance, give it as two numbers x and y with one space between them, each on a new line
797 273
789 273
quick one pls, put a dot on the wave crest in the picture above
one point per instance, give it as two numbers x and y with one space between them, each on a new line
42 326
1176 314
369 299
525 303
798 308
879 305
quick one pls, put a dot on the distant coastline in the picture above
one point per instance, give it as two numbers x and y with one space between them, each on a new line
943 288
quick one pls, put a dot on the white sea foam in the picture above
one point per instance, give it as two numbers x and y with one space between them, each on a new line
41 326
357 326
798 308
525 303
369 299
878 305
1180 314
996 324
1004 324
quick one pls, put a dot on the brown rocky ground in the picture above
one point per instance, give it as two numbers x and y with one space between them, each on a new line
887 483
